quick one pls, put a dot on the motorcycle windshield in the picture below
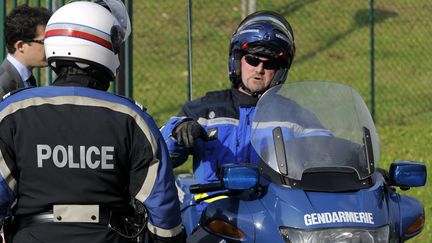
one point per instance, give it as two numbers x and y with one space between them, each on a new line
313 127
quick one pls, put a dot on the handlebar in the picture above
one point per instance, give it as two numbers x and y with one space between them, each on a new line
200 188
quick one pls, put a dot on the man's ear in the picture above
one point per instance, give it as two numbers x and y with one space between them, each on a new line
19 45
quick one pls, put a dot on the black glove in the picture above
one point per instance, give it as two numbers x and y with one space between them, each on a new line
186 132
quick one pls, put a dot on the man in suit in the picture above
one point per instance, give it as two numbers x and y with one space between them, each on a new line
24 30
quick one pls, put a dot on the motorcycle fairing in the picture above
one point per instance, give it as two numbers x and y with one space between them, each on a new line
305 138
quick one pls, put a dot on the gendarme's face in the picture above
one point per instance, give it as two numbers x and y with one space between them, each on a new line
256 72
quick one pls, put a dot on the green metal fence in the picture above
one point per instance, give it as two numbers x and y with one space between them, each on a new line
333 38
161 59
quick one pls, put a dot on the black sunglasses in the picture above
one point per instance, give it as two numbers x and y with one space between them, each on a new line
270 64
36 41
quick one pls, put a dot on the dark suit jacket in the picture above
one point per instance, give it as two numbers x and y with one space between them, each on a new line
10 79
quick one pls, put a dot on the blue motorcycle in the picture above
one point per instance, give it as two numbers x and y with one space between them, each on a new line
317 181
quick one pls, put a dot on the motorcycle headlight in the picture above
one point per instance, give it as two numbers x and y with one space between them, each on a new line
338 235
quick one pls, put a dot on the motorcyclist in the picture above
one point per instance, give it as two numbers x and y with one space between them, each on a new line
215 128
73 155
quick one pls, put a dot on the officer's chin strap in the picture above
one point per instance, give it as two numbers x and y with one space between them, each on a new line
275 81
250 92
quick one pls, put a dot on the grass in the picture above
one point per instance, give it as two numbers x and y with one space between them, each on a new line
405 142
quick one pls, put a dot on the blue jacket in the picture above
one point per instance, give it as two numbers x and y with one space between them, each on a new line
226 113
229 115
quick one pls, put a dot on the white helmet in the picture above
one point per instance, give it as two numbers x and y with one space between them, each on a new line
88 34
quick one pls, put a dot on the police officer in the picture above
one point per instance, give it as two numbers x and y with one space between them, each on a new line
215 129
73 155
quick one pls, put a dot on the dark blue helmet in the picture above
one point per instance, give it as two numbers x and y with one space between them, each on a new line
263 33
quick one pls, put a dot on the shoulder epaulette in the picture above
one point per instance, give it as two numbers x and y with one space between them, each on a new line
14 92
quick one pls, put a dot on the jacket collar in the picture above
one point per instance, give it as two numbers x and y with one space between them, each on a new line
243 99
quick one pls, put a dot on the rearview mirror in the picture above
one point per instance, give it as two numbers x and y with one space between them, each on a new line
407 174
239 176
